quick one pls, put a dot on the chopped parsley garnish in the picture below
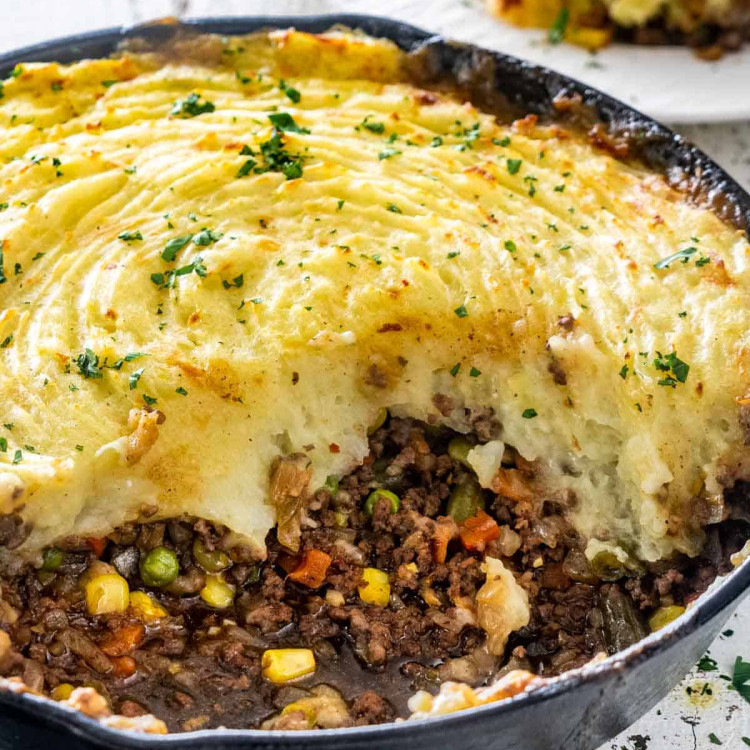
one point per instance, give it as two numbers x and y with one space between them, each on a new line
436 141
714 740
3 278
529 413
132 356
246 168
683 255
168 279
559 188
135 236
388 152
206 237
17 456
682 314
3 206
3 444
292 93
461 311
741 678
174 246
79 448
150 400
6 342
191 106
279 160
502 141
393 208
559 26
624 371
453 254
373 127
672 364
707 664
513 165
181 391
285 122
454 370
510 246
88 365
702 261
339 204
109 83
135 376
236 282
474 372
56 86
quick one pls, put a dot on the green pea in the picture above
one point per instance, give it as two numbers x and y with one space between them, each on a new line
52 559
159 567
465 500
211 561
375 496
458 450
380 418
332 485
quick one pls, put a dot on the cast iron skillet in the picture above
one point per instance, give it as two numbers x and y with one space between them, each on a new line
576 711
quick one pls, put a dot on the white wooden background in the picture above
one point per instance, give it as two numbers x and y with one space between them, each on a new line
680 722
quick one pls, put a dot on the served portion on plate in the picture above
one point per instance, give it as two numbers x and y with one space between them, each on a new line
712 26
325 391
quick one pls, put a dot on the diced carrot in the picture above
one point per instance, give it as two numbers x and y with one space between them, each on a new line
476 531
312 569
123 640
97 544
123 666
513 484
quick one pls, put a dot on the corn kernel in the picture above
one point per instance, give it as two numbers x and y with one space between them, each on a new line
412 567
217 592
306 706
284 664
62 692
148 609
375 587
107 593
663 616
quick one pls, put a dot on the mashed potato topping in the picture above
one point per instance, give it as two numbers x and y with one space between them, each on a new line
248 247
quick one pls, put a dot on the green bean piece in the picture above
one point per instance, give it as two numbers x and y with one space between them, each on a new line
465 500
211 561
622 624
52 559
159 567
458 450
374 497
380 418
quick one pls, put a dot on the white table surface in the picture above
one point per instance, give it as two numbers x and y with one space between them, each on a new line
681 721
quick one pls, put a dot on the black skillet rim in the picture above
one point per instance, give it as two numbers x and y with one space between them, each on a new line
664 150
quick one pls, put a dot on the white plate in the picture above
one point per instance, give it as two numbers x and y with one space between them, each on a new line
669 83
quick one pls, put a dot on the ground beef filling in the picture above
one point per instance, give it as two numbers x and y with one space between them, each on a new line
195 652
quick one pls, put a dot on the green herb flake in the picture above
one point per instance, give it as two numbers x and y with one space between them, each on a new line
79 448
529 413
741 677
291 93
246 168
453 254
393 208
6 342
672 364
17 456
206 237
174 246
436 141
387 153
236 282
474 372
285 122
510 246
191 106
88 365
714 740
624 371
682 255
513 165
135 376
454 370
149 400
461 311
134 236
707 664
556 32
3 444
181 391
